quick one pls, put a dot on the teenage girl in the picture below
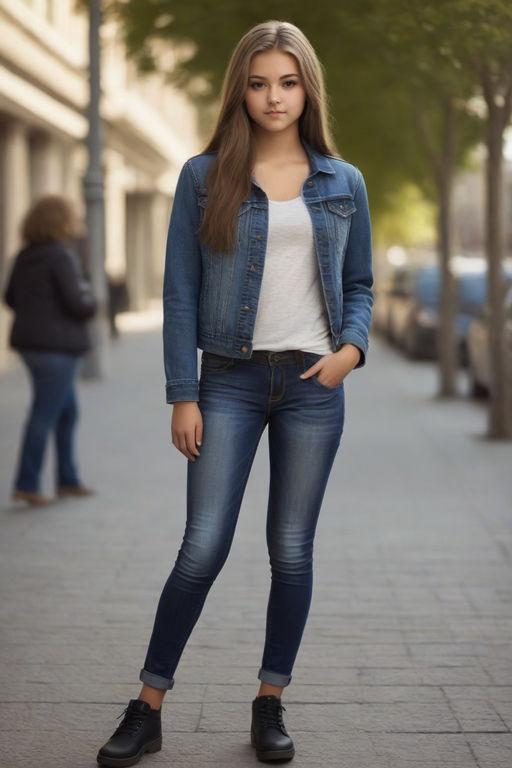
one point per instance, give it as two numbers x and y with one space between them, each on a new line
268 271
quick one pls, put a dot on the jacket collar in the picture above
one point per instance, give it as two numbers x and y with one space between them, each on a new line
317 161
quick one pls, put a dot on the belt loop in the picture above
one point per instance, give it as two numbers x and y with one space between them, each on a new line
300 359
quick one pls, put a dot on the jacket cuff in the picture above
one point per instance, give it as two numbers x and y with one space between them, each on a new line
182 389
351 336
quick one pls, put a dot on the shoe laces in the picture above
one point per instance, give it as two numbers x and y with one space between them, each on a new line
131 723
271 713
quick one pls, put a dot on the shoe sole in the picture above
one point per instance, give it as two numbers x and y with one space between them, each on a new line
274 755
124 762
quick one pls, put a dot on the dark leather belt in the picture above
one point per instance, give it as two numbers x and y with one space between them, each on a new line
277 358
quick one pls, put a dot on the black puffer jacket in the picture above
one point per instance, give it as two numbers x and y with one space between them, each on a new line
51 299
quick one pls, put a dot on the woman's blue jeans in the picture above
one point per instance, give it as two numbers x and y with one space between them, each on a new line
54 408
237 399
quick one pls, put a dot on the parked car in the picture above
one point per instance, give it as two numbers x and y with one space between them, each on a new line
413 311
479 370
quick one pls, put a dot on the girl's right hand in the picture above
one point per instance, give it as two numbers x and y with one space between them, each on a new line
187 428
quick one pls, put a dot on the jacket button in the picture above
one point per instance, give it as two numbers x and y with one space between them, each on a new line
310 183
258 237
246 308
252 267
244 349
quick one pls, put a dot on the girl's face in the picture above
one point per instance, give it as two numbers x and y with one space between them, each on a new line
275 95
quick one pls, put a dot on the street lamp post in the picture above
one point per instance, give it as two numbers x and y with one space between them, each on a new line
96 361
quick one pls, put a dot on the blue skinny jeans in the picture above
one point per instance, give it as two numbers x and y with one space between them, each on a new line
53 409
238 399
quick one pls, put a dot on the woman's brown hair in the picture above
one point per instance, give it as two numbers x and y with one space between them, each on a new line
51 217
229 176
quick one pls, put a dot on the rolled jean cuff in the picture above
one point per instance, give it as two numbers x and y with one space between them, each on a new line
156 681
274 678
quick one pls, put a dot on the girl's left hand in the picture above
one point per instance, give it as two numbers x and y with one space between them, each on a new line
333 368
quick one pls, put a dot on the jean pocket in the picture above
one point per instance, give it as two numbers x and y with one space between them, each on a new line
211 363
314 379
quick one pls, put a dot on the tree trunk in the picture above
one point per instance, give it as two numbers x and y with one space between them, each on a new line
447 348
500 421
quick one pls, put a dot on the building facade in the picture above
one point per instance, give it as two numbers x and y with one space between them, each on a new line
149 130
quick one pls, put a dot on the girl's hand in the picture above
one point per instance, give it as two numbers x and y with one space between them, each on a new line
187 428
333 368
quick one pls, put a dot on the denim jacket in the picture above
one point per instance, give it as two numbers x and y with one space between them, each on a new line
210 299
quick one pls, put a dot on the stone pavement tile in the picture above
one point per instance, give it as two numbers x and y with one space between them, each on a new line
425 675
478 715
498 671
491 693
60 652
419 750
481 629
344 655
312 674
433 634
90 692
440 651
410 717
491 750
52 748
299 693
84 717
504 710
335 749
64 674
191 673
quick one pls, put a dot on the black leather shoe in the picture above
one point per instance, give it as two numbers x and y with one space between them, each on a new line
268 734
140 731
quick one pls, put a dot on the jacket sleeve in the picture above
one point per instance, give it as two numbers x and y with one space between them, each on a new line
182 285
73 290
358 276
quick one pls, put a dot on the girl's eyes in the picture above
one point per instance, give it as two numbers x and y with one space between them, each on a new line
287 84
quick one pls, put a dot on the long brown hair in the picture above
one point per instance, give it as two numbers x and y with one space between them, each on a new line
52 217
229 176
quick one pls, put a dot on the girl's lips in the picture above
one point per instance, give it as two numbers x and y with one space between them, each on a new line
274 114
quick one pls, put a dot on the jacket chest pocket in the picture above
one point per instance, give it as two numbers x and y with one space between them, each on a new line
339 214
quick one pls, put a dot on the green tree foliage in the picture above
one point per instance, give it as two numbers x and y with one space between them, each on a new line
370 107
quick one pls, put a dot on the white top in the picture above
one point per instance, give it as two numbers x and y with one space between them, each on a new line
291 310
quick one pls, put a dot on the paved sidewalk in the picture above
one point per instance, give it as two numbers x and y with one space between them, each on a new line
407 658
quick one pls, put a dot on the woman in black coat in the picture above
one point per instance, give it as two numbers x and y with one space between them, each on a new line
52 302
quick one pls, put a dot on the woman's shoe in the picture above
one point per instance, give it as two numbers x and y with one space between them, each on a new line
140 732
268 734
34 498
74 490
